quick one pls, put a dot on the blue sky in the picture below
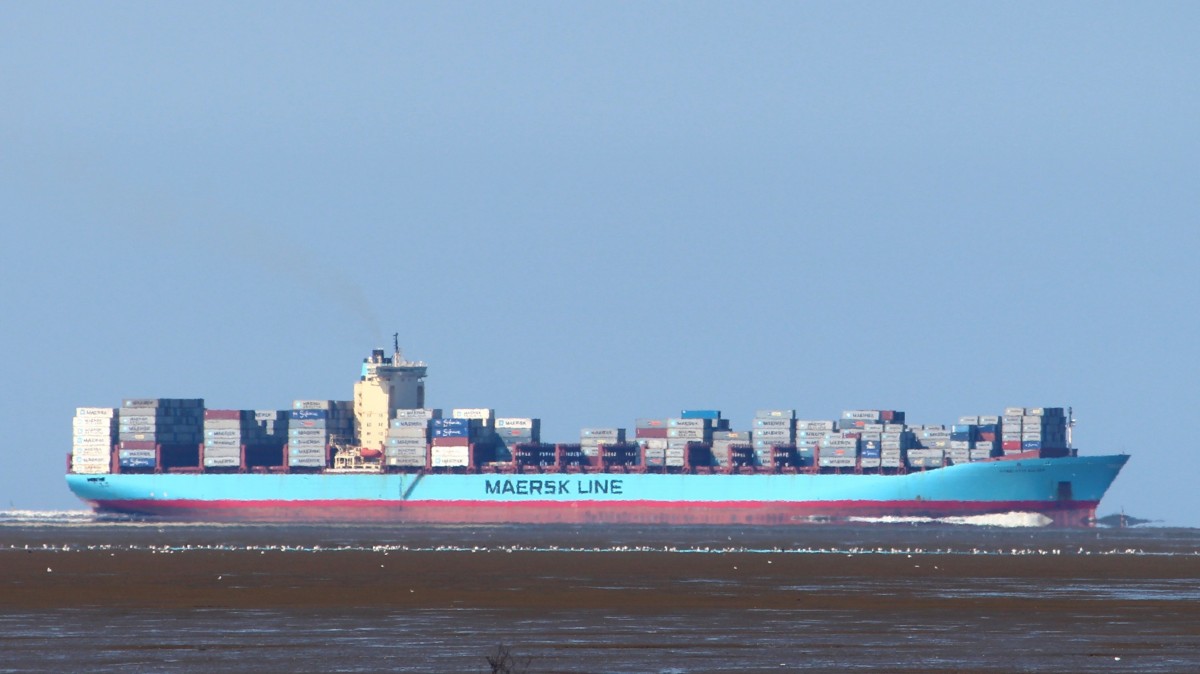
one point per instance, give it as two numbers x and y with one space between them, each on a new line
591 212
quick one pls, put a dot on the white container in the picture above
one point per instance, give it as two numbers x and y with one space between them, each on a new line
449 457
312 404
481 413
106 412
222 461
514 422
417 413
773 434
836 461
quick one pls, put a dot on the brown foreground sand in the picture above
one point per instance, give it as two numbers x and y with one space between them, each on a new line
711 612
631 581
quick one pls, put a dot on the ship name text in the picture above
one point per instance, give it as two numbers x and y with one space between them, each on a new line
539 487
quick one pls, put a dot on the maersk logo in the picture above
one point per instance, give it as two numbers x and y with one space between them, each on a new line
534 487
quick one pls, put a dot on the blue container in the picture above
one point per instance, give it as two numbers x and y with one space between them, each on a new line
870 454
960 437
989 428
1031 444
306 414
451 432
962 428
700 414
450 423
137 463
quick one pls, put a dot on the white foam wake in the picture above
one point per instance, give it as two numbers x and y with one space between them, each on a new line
46 516
1011 520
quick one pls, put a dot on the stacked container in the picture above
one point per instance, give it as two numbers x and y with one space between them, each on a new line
839 450
272 426
407 441
773 435
590 440
726 446
1030 429
264 446
809 434
315 424
94 431
1043 428
513 431
1010 430
154 428
895 441
451 441
651 434
692 427
987 438
482 438
225 431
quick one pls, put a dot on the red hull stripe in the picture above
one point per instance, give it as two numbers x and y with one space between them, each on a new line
1063 513
355 504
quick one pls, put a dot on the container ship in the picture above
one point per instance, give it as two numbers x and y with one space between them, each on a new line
385 457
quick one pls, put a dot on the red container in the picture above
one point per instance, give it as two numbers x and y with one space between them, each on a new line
1010 445
456 442
228 415
151 444
987 436
650 433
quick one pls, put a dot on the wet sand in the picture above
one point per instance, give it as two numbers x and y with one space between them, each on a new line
193 610
540 581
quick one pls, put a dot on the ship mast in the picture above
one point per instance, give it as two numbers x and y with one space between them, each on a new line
1070 425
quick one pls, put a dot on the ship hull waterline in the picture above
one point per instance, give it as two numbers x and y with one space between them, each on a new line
1064 491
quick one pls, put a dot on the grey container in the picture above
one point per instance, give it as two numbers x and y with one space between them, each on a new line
307 432
232 433
836 461
773 434
606 435
222 461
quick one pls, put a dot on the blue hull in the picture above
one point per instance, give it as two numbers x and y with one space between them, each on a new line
1064 490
